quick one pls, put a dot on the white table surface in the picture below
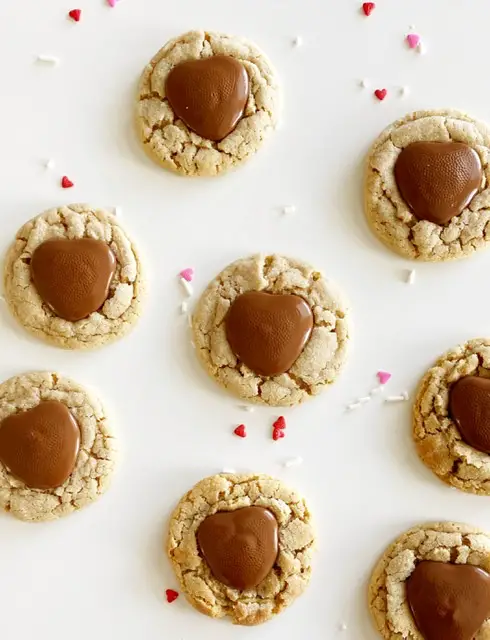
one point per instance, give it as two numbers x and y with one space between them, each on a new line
102 573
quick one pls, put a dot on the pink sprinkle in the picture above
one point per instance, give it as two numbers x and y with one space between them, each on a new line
187 274
413 39
383 376
112 3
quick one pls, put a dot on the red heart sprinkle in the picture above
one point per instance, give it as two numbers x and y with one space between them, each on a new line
240 431
75 14
66 183
171 595
381 94
277 434
280 423
368 7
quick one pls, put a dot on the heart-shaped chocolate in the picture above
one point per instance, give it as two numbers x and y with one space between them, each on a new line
268 331
209 95
40 446
448 601
240 546
438 179
469 406
73 276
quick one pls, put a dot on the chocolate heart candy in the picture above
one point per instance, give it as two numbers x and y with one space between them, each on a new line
469 405
73 276
267 332
448 601
40 446
438 179
209 95
240 546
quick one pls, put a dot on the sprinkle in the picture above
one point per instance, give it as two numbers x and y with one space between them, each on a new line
381 94
228 470
49 164
353 405
298 41
193 345
240 431
47 58
280 423
118 211
66 183
247 407
383 376
411 276
112 3
183 307
401 398
187 286
75 14
404 91
368 7
413 40
343 627
364 83
421 48
364 400
277 434
376 390
171 595
187 274
289 209
189 322
293 462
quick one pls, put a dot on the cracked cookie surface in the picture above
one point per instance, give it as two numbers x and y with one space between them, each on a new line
95 460
320 361
291 572
440 542
170 142
119 312
391 218
437 438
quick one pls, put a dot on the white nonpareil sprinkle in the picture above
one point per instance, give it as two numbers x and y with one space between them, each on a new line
364 83
294 462
48 58
364 399
247 407
353 405
404 91
298 41
401 398
228 470
289 209
183 307
187 286
49 164
421 48
411 276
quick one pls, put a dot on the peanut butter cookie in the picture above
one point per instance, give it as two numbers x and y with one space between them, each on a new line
74 278
241 547
271 330
451 415
433 582
206 103
427 192
57 452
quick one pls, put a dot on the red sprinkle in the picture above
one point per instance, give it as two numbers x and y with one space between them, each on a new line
381 94
280 423
66 183
240 431
171 595
277 434
75 14
368 7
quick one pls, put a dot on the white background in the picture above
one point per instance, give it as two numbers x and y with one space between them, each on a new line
102 573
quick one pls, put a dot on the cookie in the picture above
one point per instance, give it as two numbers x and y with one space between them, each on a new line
206 102
427 195
74 278
433 582
271 330
451 415
57 452
241 547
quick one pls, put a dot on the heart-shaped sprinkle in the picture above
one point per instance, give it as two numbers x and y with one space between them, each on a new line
187 274
280 423
73 276
277 434
438 180
469 406
66 183
413 39
448 601
75 14
381 94
240 431
240 546
267 332
368 7
209 94
383 376
40 446
171 595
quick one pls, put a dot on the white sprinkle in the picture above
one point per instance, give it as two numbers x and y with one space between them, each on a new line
421 48
364 399
401 398
411 276
298 41
364 83
353 405
247 407
228 470
187 286
183 307
378 389
404 91
411 27
49 164
294 462
46 58
289 209
118 211
343 627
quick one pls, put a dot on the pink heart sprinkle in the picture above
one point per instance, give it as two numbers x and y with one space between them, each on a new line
112 3
187 274
383 376
413 39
